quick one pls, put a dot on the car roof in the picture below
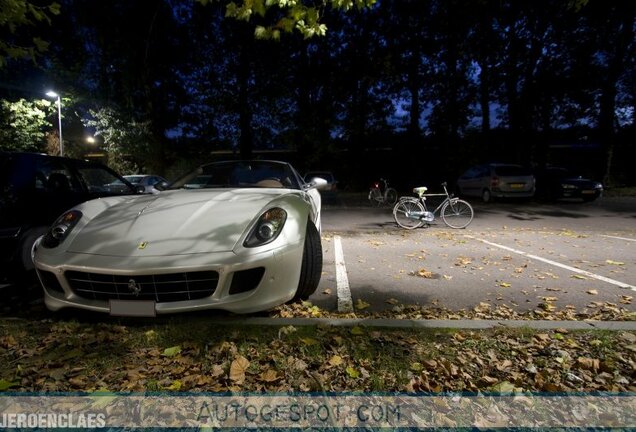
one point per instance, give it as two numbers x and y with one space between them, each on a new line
46 156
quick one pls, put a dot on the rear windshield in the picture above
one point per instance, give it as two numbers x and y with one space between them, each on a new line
511 170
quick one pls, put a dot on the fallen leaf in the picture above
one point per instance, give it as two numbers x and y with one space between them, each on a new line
504 284
238 368
270 375
175 386
353 373
361 304
172 351
424 273
592 292
357 331
5 385
587 363
309 341
336 360
617 263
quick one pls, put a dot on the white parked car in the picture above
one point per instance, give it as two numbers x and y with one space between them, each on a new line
246 239
145 180
496 180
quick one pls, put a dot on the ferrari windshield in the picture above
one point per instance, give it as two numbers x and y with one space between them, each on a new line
264 174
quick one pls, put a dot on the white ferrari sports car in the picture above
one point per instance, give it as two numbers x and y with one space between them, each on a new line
242 236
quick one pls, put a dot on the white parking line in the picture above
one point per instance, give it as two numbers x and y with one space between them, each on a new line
620 238
556 264
345 304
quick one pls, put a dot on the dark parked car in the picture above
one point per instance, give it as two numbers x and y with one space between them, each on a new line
496 180
555 183
34 190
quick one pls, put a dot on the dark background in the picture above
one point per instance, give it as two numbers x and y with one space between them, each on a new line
415 91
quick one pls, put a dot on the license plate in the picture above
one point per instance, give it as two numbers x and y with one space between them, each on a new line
133 308
589 192
517 185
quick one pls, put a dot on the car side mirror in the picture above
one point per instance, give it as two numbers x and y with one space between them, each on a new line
161 186
318 183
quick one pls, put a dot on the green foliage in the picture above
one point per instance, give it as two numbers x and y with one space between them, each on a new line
288 15
127 142
15 14
25 123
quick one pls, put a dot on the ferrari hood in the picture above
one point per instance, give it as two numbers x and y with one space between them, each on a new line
171 223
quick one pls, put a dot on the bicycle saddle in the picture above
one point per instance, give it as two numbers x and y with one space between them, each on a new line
420 190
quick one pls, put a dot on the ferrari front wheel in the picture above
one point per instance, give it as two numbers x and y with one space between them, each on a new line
311 264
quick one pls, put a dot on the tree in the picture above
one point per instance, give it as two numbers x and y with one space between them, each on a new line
15 15
286 16
25 124
126 142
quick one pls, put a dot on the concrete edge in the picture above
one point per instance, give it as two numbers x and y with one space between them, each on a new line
448 324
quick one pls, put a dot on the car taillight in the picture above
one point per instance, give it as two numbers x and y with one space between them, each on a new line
494 181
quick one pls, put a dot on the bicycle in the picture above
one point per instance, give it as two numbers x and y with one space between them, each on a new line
378 198
411 212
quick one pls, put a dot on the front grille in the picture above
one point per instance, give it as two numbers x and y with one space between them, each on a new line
160 288
50 282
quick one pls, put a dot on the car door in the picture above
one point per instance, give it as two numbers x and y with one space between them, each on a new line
469 182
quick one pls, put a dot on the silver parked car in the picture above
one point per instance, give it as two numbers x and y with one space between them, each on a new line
497 180
246 240
147 181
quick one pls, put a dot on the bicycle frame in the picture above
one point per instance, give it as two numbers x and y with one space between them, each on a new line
411 212
422 199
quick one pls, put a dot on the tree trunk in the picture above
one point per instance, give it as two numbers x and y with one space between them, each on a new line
414 130
484 96
607 103
246 138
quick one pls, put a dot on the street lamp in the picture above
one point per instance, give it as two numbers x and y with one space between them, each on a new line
52 94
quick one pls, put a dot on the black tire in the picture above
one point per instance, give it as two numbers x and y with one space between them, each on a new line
391 196
311 268
457 214
401 212
26 245
486 196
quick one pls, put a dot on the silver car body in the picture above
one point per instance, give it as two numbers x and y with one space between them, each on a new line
185 238
497 181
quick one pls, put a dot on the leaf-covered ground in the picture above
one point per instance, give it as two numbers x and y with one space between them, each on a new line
546 310
194 355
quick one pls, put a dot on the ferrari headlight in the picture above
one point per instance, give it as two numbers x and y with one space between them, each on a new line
268 227
61 229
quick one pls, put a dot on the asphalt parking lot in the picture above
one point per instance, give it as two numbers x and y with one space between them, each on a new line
520 255
514 254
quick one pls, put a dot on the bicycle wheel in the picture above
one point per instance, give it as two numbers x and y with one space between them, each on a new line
391 196
457 213
375 198
403 210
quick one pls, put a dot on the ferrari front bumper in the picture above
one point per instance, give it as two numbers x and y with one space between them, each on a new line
278 283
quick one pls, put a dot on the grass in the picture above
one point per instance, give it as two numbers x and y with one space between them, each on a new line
624 191
183 355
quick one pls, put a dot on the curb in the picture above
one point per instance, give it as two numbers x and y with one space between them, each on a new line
440 324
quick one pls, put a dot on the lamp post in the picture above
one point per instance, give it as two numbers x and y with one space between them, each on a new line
59 117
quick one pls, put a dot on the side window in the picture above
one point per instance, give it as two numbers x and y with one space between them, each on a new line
99 180
471 173
53 175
